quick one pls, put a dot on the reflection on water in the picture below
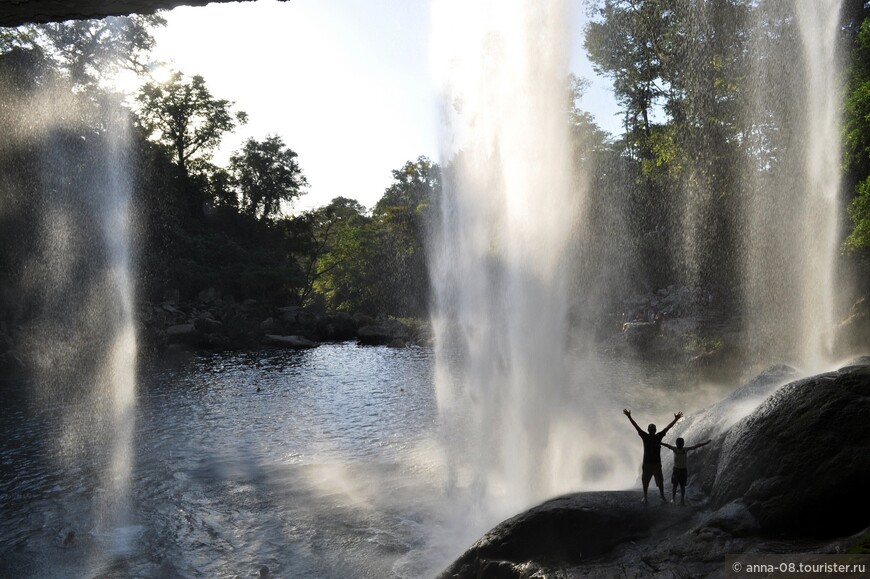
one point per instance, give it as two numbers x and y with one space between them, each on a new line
316 474
329 470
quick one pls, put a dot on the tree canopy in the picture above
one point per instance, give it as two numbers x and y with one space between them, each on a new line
183 115
266 174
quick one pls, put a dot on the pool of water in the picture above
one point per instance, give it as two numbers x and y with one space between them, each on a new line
314 463
318 463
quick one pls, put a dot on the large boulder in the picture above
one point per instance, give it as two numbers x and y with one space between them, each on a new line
790 476
717 419
800 461
565 532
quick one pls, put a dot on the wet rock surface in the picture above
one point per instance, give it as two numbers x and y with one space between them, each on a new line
800 461
565 532
787 477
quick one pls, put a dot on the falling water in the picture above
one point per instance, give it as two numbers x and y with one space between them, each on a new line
119 371
501 254
819 23
792 213
76 307
515 404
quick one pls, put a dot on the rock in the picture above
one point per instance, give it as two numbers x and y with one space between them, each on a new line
168 307
6 342
717 419
268 324
180 332
207 325
799 462
374 335
640 333
208 296
790 478
389 332
363 320
859 361
306 319
289 313
734 519
565 532
11 363
340 326
296 342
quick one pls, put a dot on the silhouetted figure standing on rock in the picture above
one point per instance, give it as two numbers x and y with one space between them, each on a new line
652 453
681 470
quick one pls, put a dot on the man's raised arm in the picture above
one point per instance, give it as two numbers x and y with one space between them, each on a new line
627 412
677 416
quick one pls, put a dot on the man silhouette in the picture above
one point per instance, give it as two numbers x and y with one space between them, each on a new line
652 453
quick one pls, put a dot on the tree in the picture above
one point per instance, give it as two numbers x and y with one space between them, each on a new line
318 235
678 68
265 174
856 130
89 49
183 115
403 217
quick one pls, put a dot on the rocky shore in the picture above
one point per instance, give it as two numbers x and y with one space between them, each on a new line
789 476
217 323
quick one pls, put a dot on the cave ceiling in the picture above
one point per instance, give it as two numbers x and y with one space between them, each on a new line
17 12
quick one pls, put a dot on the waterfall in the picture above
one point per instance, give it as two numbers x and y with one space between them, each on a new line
501 256
520 412
75 296
792 213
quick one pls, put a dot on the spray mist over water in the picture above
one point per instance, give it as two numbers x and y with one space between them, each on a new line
519 411
792 213
502 253
75 301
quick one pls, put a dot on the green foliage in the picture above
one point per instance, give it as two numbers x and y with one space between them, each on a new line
372 263
678 71
856 129
859 213
266 173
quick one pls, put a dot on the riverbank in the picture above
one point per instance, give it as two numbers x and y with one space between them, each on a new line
215 322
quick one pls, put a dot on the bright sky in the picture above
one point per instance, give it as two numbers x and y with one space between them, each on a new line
345 83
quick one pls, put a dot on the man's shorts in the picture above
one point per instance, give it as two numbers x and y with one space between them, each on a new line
679 476
649 471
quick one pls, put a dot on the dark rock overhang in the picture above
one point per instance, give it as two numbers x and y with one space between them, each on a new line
17 12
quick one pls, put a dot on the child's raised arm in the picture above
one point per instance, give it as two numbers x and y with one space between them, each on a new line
698 445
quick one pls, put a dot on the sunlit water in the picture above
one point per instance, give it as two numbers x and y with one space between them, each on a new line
316 475
330 470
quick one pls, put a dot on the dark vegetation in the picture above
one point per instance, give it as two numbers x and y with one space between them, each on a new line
199 225
196 225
